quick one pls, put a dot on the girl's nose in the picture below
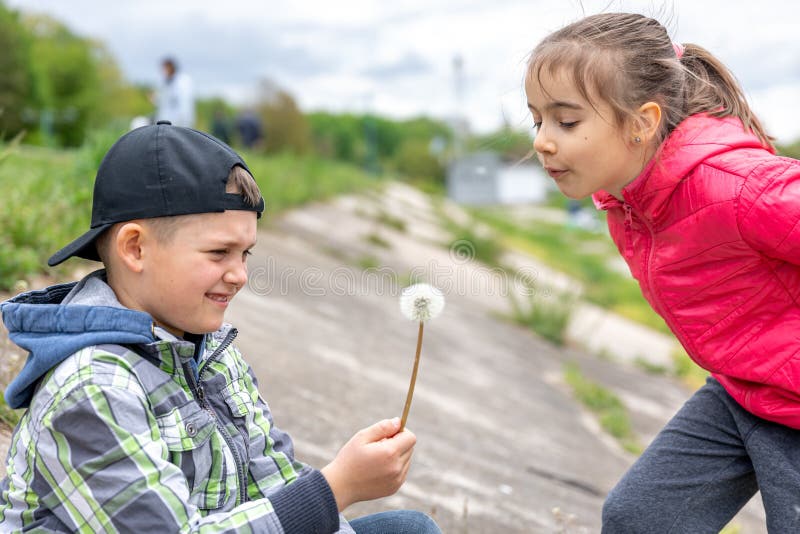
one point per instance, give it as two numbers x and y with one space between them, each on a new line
542 142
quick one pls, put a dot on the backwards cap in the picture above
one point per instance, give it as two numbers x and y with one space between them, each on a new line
158 171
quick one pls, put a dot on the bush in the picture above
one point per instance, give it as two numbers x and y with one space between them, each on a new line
414 159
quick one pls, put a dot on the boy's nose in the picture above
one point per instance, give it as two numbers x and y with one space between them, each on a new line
236 275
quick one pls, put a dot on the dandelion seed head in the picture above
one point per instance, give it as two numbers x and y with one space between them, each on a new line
421 302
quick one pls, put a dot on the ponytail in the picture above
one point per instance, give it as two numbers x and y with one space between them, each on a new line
627 59
710 87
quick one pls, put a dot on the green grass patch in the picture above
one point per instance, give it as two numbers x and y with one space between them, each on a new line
46 204
609 409
467 244
391 221
287 180
545 312
377 240
582 255
649 367
368 262
8 416
687 371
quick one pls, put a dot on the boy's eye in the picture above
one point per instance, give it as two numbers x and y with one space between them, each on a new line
246 253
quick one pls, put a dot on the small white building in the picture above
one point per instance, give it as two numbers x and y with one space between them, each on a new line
482 178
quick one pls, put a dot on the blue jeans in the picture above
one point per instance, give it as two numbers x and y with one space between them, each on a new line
706 463
395 522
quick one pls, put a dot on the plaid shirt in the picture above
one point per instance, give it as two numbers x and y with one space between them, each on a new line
117 440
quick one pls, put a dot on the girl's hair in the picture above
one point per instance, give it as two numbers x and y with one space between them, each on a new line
627 59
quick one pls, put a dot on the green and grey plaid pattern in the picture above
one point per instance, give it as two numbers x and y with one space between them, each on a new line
124 441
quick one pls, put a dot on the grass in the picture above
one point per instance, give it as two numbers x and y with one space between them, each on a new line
9 417
609 409
467 245
546 313
46 203
367 262
47 196
377 240
582 255
650 367
287 180
391 221
691 374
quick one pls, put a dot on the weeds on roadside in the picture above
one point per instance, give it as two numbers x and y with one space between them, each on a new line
391 221
583 255
607 406
691 374
8 416
377 240
546 312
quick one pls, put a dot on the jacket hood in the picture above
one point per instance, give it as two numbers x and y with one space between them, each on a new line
695 140
54 323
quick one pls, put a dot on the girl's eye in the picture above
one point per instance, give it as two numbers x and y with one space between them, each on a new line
568 125
537 125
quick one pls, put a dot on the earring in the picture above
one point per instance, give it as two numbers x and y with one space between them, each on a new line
637 139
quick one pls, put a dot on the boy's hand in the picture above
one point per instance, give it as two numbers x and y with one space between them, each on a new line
373 464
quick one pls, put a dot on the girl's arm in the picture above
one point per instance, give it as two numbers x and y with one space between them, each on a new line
769 209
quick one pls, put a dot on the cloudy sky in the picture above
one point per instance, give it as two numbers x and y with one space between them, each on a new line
397 58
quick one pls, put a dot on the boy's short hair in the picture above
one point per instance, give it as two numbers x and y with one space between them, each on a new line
163 171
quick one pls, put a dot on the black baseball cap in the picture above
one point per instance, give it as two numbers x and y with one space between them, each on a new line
158 171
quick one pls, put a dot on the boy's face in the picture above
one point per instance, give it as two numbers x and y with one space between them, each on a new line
188 281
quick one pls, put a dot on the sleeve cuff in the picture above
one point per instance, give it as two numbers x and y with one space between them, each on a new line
307 505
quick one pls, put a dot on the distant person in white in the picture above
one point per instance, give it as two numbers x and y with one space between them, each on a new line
175 100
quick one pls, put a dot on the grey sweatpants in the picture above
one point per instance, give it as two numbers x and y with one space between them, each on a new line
706 463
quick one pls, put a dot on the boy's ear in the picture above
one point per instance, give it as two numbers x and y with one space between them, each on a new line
648 119
128 244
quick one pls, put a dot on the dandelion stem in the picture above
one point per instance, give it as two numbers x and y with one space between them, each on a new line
413 379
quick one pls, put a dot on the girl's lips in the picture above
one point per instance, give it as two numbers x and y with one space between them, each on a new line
554 173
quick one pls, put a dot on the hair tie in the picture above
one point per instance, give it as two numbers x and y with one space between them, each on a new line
678 49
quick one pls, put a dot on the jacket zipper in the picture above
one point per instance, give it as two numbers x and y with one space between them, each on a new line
197 390
628 231
648 271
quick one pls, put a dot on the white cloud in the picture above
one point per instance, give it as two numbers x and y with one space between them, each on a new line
397 58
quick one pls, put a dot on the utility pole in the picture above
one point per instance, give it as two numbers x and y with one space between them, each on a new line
458 122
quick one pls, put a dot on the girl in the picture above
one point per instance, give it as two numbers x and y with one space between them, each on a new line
708 220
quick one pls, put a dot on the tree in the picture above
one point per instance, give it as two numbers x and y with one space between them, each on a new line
118 99
67 83
16 80
286 128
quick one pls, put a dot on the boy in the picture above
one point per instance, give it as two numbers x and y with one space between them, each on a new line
142 416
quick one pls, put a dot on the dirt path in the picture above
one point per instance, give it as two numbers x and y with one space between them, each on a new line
502 444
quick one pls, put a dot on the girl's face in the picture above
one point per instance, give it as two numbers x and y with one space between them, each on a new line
578 144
